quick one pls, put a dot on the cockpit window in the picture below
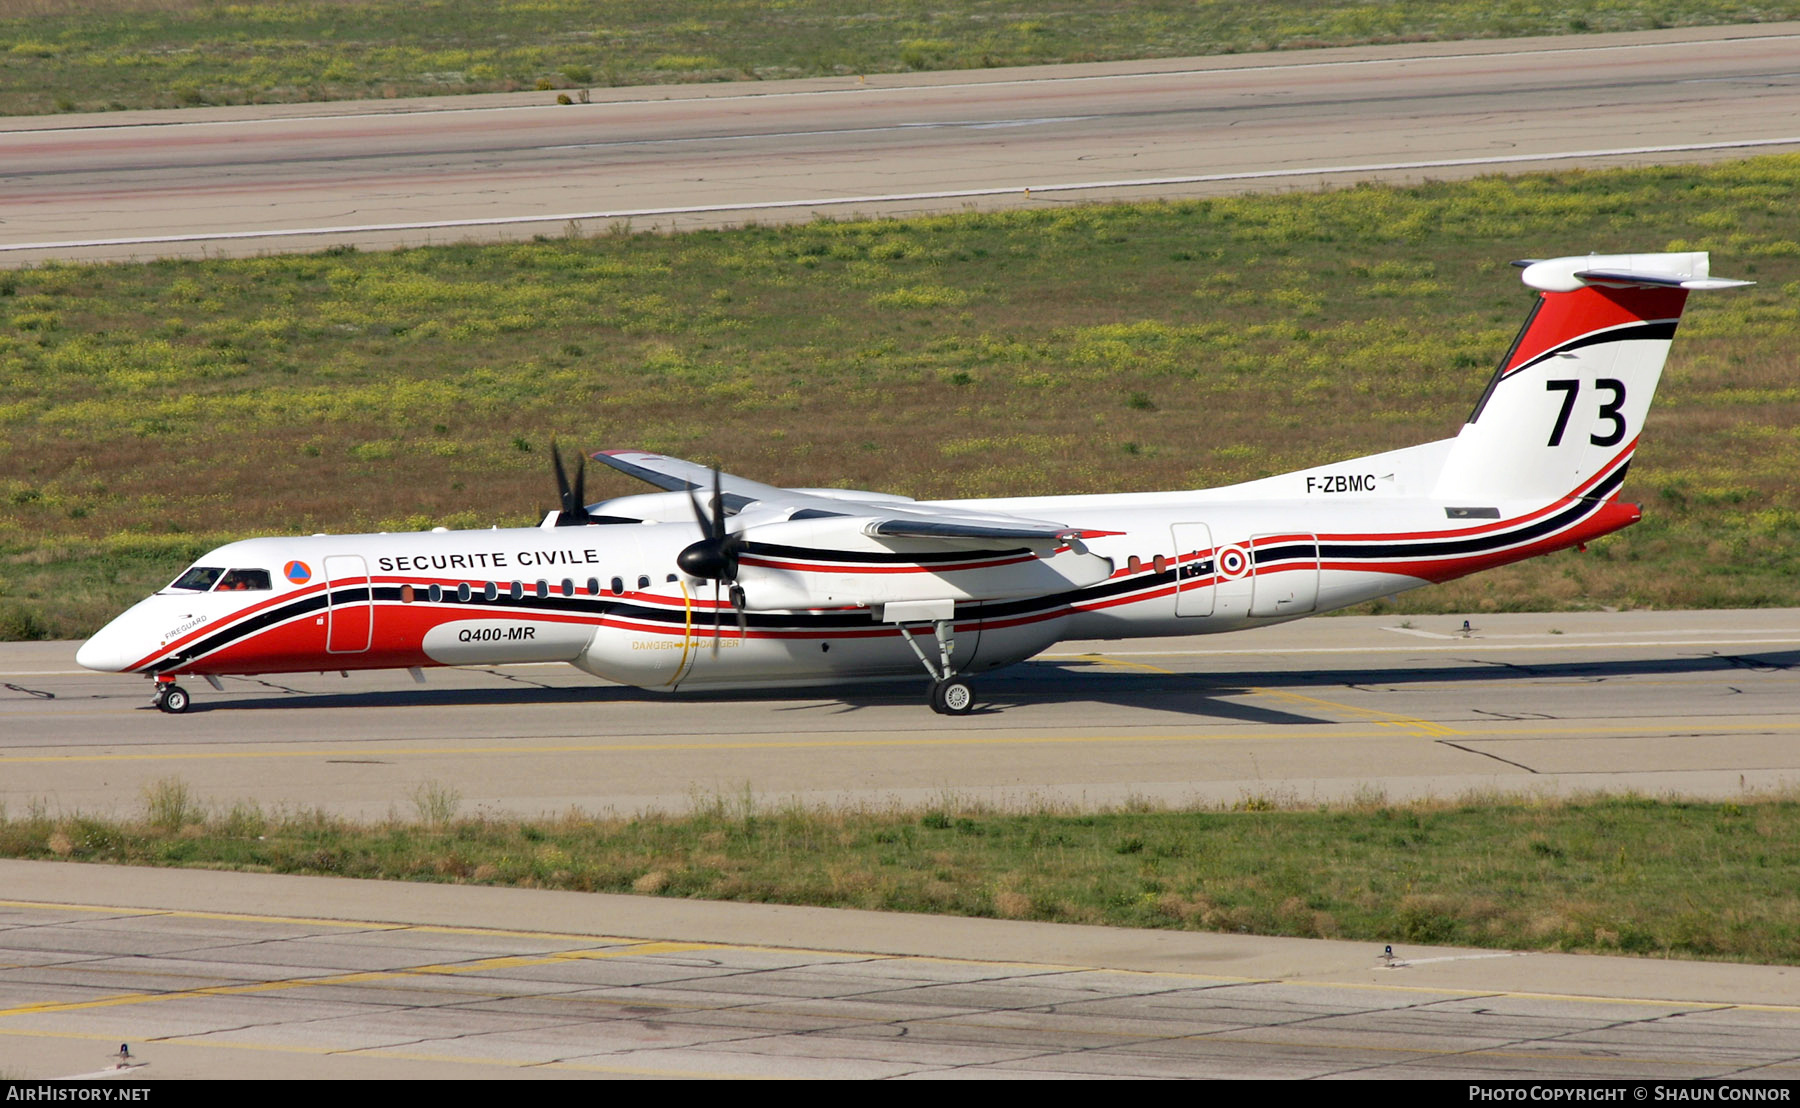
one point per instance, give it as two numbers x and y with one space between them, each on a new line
197 579
245 580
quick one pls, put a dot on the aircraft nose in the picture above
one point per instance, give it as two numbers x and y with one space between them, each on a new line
109 651
95 654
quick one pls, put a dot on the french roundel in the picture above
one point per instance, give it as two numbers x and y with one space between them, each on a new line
297 572
1233 562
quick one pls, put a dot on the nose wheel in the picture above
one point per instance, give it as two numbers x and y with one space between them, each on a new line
171 698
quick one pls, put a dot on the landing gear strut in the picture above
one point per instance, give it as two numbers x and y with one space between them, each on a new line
950 694
170 697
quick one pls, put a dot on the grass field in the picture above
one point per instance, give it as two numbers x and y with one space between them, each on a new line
97 55
153 410
1661 878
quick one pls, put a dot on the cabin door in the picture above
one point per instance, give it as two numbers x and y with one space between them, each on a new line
1193 568
1285 574
349 611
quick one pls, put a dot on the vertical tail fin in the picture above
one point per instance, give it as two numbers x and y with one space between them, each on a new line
1562 414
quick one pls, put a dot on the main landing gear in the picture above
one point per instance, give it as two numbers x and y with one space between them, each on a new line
952 697
170 697
950 694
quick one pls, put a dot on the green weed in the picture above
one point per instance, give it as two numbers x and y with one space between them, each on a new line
1595 874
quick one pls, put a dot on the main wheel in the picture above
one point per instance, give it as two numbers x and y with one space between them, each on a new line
174 699
953 697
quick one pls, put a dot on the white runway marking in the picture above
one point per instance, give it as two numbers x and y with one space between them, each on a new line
927 125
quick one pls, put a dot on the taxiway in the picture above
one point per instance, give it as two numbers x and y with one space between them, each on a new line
1694 703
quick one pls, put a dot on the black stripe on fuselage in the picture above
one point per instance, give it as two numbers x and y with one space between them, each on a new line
1442 548
679 614
269 617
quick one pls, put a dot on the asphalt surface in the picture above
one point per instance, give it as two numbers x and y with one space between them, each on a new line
246 975
249 180
1696 703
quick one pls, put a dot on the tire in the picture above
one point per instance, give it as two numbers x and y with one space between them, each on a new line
173 700
954 697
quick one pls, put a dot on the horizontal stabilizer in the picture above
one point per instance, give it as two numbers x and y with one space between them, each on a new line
1668 271
1658 280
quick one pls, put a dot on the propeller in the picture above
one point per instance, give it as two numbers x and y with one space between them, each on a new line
574 511
715 556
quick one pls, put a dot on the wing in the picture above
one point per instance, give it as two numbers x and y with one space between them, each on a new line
876 515
814 548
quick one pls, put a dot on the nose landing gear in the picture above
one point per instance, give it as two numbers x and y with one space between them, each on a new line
170 697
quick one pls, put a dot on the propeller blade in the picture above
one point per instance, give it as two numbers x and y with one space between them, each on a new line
572 500
714 556
715 615
562 476
718 508
738 604
699 515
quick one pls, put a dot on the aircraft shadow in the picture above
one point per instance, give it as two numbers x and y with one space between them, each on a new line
1200 694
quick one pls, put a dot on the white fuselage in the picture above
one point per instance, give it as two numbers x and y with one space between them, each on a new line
609 599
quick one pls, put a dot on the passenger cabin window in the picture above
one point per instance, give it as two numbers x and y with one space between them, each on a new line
245 580
516 591
568 587
643 582
406 594
543 589
618 586
593 586
198 579
436 592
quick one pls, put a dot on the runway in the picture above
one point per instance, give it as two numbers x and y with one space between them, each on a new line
248 975
249 180
1695 703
